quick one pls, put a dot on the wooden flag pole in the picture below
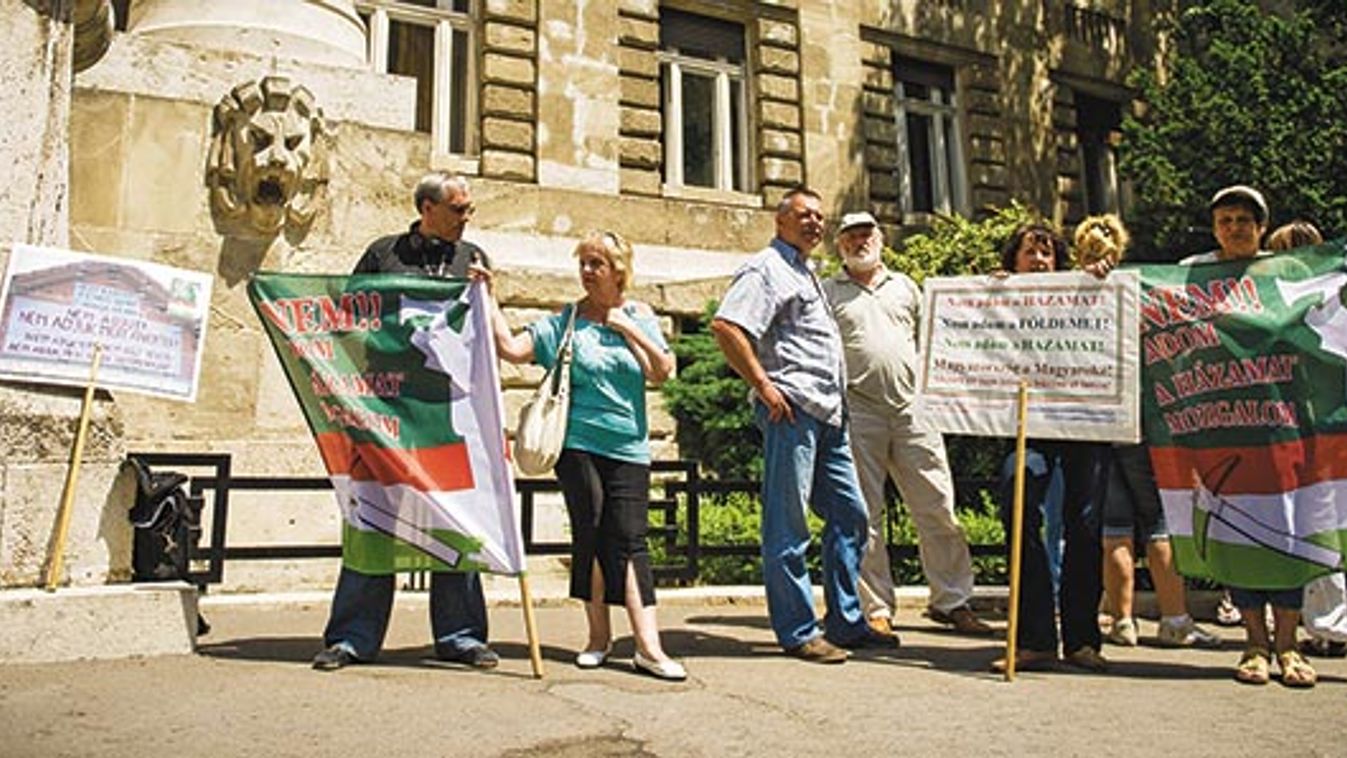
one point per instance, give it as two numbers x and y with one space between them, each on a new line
56 562
1017 529
531 627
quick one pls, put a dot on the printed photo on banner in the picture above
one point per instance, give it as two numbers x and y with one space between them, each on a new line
149 319
1071 336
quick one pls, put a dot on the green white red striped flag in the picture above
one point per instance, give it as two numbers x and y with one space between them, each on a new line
398 380
1244 399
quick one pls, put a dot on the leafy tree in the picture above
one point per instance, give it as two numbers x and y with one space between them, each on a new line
1248 96
710 403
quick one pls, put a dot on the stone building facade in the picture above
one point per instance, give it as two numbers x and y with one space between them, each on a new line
678 123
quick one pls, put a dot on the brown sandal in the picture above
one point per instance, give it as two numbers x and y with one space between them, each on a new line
1027 660
1296 671
1253 666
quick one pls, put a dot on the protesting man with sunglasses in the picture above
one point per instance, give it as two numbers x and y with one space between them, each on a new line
361 606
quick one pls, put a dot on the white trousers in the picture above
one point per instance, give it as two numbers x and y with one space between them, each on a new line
887 444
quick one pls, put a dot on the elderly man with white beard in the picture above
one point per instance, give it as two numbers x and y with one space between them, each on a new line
878 313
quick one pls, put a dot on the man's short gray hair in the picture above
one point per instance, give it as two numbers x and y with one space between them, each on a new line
799 189
435 185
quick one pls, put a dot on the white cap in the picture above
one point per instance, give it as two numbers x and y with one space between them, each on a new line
1236 192
859 218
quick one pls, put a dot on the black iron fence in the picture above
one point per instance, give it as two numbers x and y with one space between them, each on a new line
677 487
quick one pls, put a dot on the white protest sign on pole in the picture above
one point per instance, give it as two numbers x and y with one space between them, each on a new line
1071 336
149 319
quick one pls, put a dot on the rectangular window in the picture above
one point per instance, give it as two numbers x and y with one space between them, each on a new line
1098 124
931 170
702 92
430 41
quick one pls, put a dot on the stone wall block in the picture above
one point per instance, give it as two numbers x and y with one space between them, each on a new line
987 149
877 78
638 32
510 38
512 135
640 8
985 126
508 69
774 87
988 175
641 153
511 102
525 11
778 61
640 181
781 143
638 62
986 77
982 101
881 130
503 164
640 92
990 197
883 184
772 32
782 171
780 115
881 156
879 104
641 122
875 54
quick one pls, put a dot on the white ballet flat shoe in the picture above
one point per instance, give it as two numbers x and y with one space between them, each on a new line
669 670
591 659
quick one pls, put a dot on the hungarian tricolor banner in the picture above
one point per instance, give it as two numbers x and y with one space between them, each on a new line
397 378
1244 370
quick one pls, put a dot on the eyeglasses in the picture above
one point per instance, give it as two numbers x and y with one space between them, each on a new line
463 209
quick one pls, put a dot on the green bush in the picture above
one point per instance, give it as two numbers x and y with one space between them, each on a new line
735 519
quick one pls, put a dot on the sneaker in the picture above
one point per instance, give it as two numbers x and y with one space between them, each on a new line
962 619
818 650
1319 647
1186 634
1086 658
335 657
477 656
1123 633
1226 612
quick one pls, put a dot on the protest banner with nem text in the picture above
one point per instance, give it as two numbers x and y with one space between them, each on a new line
397 378
1244 369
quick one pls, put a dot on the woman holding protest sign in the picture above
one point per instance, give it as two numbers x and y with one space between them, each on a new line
604 468
1074 475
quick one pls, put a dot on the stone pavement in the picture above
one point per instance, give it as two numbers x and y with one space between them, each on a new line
250 691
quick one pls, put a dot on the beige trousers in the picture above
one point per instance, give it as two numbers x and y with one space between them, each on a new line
886 443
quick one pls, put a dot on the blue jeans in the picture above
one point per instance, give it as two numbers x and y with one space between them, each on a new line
363 602
809 463
1082 469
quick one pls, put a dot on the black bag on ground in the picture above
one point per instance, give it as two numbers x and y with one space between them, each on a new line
167 525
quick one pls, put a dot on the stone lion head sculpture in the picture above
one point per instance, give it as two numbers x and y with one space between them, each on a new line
267 169
1100 237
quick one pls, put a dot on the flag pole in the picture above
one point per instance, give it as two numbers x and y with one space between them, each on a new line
56 562
1017 529
531 626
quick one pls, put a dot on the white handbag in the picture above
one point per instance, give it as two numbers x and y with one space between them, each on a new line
542 420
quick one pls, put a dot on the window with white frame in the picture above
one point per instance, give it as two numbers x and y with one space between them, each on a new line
430 41
704 99
930 149
1098 130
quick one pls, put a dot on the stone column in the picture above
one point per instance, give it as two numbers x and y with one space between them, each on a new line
321 31
37 424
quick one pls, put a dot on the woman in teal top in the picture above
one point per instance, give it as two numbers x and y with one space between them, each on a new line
604 467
